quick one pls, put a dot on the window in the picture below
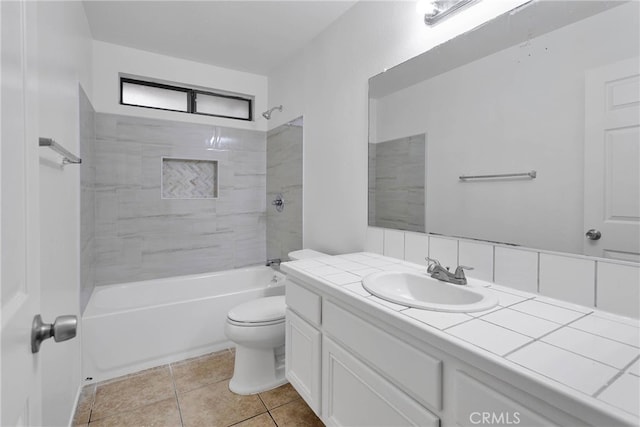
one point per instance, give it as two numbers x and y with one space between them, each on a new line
139 93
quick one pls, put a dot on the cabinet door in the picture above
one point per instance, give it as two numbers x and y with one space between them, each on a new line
302 359
478 403
355 395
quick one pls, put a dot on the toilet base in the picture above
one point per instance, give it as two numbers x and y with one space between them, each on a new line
257 369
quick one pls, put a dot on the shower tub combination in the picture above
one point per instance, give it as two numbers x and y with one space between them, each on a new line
134 326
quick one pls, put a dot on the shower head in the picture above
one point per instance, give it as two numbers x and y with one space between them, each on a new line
267 114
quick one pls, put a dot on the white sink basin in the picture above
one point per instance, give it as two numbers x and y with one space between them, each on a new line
423 291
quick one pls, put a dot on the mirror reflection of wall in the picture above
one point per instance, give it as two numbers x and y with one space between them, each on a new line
397 183
515 110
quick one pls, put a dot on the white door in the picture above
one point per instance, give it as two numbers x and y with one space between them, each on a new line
19 230
612 161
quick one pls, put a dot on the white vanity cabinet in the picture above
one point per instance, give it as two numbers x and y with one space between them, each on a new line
355 395
336 383
354 368
303 343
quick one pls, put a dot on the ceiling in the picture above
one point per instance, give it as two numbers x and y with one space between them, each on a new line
251 36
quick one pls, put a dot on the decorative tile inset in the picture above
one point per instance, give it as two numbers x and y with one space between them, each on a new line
189 179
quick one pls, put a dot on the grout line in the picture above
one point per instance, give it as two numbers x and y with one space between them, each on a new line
595 284
539 339
272 419
614 378
538 273
548 377
285 403
93 401
249 418
175 393
560 326
458 324
493 264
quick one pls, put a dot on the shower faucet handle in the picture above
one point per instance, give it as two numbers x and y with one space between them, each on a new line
278 202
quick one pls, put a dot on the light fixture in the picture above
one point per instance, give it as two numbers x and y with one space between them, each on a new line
436 10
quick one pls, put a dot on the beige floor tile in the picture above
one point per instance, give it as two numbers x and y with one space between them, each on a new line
195 373
160 414
279 396
263 420
85 402
132 392
295 414
214 405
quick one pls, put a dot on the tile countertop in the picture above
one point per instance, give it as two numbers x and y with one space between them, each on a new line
532 333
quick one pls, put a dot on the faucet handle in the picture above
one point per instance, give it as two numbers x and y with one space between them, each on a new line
459 274
431 264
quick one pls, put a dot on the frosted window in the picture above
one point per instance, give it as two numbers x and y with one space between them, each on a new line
142 93
155 97
223 106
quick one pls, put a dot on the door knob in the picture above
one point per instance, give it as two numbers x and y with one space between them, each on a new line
64 328
593 234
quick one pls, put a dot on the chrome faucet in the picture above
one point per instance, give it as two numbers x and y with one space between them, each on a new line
437 271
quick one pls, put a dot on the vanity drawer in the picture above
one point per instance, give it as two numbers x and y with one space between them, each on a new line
304 302
418 373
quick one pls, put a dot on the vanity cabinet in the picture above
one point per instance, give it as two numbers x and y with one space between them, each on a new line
302 359
303 342
355 395
478 403
354 369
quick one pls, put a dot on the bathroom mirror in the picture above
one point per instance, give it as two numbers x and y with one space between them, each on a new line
526 94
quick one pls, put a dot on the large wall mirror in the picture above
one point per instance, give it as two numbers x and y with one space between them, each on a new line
552 87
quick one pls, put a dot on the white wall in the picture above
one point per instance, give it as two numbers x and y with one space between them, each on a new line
327 83
64 49
517 110
109 60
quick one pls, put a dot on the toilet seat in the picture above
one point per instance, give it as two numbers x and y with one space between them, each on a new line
258 312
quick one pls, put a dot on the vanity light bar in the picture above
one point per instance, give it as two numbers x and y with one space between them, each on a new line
444 8
532 175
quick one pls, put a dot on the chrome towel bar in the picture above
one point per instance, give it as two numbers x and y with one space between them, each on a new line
67 157
531 175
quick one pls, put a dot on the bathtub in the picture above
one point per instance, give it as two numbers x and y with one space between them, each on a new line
133 326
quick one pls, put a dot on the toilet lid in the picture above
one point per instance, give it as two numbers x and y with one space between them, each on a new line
259 310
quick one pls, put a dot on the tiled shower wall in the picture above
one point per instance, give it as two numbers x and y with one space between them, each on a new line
284 176
139 235
87 199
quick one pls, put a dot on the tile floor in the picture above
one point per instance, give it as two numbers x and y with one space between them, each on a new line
193 392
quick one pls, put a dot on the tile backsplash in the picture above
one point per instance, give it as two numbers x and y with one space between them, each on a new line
609 285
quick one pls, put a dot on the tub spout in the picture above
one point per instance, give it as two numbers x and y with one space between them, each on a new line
273 262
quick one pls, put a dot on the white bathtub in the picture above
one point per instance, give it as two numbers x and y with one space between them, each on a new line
133 326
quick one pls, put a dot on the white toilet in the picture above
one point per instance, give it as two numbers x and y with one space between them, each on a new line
257 329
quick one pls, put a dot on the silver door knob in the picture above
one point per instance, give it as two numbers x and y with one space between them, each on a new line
593 234
64 328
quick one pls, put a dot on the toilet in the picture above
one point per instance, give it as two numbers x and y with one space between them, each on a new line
257 329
